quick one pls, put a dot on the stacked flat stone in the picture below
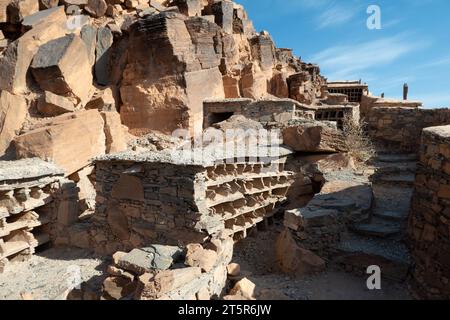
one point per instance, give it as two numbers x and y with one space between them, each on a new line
143 198
429 222
25 187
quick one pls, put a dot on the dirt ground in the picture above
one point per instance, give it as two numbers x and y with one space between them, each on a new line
256 256
49 274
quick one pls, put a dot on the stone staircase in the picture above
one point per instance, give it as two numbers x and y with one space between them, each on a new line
380 239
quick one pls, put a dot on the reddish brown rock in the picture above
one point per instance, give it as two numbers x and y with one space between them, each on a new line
18 9
59 65
244 288
115 132
51 105
196 256
295 260
314 136
155 286
96 8
69 140
118 287
163 84
17 57
13 110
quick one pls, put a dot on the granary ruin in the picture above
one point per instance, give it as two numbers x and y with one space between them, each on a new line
167 135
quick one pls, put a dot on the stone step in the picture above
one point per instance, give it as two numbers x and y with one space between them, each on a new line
397 157
391 215
357 253
396 179
377 227
393 168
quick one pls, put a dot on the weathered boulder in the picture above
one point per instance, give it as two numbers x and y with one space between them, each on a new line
152 287
47 4
164 85
13 110
313 136
191 8
69 140
117 288
3 11
115 132
51 105
59 65
197 256
17 57
295 260
102 54
96 8
88 34
244 288
102 100
54 14
18 9
233 269
155 257
223 14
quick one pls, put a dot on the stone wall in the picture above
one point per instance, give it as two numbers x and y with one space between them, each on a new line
399 129
34 198
429 222
144 199
266 111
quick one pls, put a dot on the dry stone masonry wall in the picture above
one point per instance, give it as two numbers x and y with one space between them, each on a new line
429 222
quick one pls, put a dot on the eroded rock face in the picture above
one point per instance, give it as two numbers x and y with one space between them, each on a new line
165 81
13 110
17 57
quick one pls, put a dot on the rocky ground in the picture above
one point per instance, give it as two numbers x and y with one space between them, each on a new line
256 255
48 275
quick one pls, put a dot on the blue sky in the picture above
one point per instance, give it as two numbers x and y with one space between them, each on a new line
413 45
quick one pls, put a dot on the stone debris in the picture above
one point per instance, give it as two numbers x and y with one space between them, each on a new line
158 273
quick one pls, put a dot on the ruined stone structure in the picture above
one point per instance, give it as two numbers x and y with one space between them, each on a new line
265 111
399 128
354 90
27 187
171 198
429 222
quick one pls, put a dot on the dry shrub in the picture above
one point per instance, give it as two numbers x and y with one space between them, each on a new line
359 144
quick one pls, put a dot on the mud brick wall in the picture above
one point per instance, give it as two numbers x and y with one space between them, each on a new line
429 222
399 129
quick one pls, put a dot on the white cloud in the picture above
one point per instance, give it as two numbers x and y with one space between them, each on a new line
437 63
349 61
336 15
434 99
